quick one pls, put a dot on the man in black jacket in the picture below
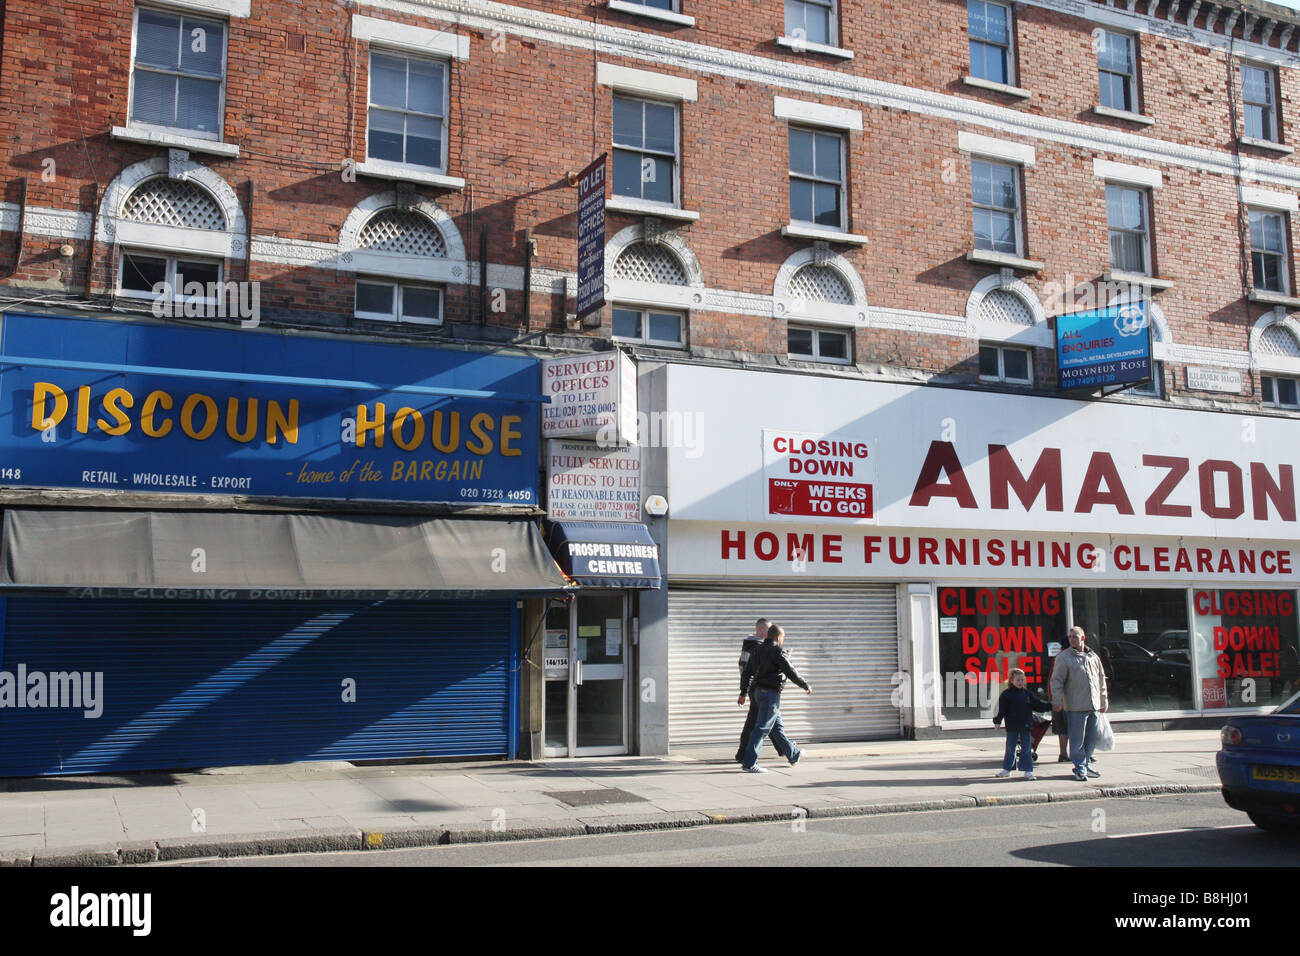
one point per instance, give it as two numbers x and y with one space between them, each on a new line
763 676
747 649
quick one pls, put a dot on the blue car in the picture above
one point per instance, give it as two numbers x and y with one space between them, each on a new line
1259 767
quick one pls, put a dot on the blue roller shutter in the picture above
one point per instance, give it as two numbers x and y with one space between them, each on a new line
209 683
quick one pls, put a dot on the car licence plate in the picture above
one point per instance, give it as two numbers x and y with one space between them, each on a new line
1266 772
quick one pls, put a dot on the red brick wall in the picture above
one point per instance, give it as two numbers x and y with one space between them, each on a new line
521 117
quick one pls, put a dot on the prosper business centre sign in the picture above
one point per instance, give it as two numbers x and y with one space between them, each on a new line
1104 347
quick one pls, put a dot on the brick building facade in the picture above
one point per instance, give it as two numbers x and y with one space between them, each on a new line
901 196
295 109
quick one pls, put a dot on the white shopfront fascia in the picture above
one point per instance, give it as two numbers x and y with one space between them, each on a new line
1086 494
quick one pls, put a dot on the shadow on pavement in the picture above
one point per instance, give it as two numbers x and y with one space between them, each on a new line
51 784
1248 846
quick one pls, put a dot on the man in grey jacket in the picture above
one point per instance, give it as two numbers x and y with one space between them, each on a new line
1079 687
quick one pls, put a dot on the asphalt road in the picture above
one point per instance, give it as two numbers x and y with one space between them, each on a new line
1195 830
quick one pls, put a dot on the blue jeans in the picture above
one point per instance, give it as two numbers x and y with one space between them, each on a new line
769 722
1083 737
1026 740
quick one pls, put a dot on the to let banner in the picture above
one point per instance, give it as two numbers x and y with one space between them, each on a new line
591 238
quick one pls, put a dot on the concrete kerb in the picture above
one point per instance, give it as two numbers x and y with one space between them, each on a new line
765 814
529 830
97 854
816 812
326 841
271 843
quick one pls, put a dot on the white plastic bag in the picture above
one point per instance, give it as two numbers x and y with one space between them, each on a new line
1105 736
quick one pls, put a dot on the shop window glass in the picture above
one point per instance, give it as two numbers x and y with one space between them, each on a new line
1246 647
984 633
1141 635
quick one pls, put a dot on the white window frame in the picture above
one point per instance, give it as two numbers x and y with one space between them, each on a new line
405 54
1155 387
1145 196
617 198
399 287
1284 270
817 333
1012 78
639 8
1019 207
182 14
1002 376
178 294
644 308
1273 134
832 23
1134 87
843 192
1276 401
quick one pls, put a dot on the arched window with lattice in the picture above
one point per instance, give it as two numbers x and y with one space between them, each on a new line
648 264
176 203
642 262
814 283
403 232
406 233
1277 347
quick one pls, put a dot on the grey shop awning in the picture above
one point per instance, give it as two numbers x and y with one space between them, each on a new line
379 554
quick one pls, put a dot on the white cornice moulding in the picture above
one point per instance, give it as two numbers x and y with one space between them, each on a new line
990 148
1129 175
415 39
238 9
643 81
1267 199
815 114
1141 23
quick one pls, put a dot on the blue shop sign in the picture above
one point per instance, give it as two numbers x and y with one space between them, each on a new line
1104 347
135 406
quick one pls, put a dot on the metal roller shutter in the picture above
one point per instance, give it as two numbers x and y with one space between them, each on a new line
843 640
207 683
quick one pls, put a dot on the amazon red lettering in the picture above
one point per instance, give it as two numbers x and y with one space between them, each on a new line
942 459
942 475
1005 475
1235 507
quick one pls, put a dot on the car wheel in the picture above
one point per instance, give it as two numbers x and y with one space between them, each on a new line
1273 824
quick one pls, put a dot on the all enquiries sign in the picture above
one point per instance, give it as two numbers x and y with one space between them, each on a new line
1104 347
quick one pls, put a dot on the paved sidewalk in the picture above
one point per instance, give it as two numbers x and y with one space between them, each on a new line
240 811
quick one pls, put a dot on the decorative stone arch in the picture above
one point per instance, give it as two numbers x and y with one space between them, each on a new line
1263 359
363 211
114 228
450 267
1024 322
786 305
671 240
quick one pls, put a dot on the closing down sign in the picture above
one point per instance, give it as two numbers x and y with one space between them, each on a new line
824 476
